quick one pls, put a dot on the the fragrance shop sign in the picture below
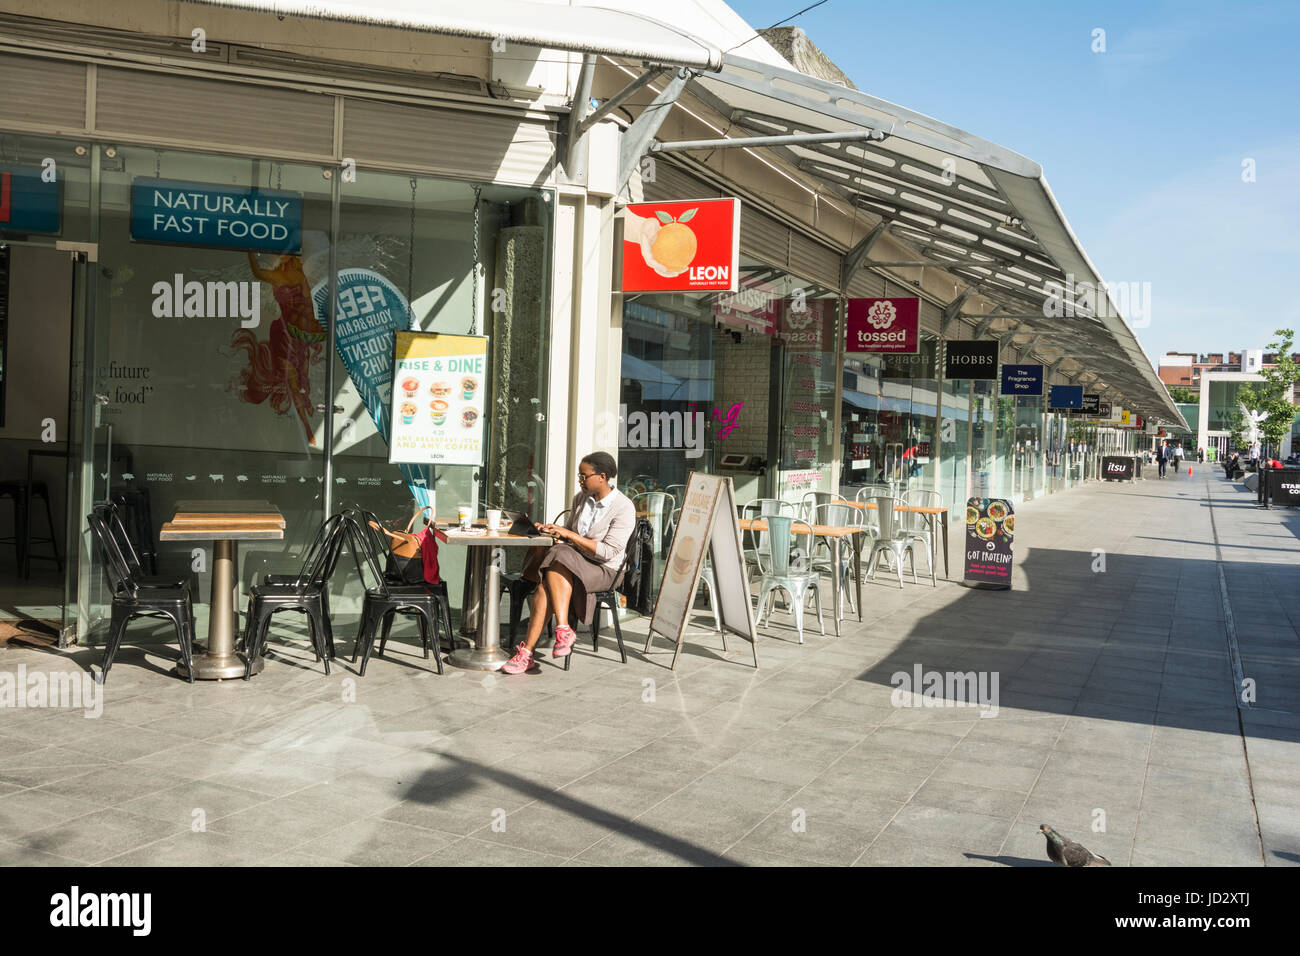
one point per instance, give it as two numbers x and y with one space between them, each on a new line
216 216
891 326
689 246
437 403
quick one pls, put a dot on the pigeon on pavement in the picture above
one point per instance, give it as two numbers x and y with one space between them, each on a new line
1065 852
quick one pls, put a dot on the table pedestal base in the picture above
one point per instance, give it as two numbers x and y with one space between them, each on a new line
487 654
210 667
478 659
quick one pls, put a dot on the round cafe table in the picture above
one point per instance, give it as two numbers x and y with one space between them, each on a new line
483 566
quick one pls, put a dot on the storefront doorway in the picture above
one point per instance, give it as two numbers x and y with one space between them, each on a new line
42 298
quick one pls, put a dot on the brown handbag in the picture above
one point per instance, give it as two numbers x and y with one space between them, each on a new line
404 559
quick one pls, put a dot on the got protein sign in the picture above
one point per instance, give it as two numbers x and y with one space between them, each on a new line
990 530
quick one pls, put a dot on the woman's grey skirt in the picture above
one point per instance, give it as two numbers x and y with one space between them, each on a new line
588 577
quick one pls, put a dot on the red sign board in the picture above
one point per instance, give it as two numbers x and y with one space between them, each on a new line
883 325
691 246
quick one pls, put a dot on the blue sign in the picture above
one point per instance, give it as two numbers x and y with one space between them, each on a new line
369 310
1066 396
1022 380
219 217
27 202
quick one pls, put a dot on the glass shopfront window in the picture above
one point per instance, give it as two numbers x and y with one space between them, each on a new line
419 235
210 361
740 384
889 425
205 321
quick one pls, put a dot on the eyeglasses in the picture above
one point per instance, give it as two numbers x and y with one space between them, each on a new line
583 478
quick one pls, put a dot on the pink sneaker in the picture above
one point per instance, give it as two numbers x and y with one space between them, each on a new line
564 638
522 660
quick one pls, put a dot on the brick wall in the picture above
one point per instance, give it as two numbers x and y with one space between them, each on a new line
743 375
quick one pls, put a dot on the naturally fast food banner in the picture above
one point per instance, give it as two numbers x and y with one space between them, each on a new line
437 405
690 246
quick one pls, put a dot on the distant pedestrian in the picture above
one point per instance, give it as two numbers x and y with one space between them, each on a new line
1162 457
1178 459
1200 456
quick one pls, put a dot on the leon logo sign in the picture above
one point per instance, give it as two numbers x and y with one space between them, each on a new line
691 246
883 325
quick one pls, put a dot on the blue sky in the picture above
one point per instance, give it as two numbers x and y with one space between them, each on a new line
1142 145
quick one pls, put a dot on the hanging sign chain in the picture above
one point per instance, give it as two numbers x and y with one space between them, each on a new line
410 262
157 164
473 319
279 174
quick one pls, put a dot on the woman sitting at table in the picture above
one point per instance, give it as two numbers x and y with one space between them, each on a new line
587 558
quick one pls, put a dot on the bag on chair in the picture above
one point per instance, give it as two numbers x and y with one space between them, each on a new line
411 556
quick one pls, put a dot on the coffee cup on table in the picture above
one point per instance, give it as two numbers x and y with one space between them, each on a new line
494 519
465 515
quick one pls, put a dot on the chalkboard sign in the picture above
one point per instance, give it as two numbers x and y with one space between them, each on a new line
990 531
707 526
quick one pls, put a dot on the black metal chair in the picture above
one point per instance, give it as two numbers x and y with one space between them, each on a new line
380 544
130 600
136 512
608 598
305 593
112 519
384 600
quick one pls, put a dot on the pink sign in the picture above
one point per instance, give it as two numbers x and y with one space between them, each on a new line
883 325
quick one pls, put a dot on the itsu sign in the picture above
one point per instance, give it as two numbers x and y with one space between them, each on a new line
691 246
883 325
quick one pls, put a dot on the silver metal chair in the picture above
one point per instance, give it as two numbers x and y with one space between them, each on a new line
759 509
815 499
919 527
787 568
845 515
893 540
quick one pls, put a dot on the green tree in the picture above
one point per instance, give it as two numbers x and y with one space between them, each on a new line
1184 395
1271 396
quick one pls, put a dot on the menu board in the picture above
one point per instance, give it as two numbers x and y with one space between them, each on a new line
438 401
990 531
707 526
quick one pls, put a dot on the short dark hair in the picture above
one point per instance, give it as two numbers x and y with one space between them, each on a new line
603 463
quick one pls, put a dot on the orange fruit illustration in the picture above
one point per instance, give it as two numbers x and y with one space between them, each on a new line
675 246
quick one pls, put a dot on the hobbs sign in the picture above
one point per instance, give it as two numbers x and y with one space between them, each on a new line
971 359
883 325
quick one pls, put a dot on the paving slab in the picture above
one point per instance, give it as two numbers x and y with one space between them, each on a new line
1118 719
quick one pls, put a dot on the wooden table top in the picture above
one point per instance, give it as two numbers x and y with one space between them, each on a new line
224 519
910 509
820 530
500 539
